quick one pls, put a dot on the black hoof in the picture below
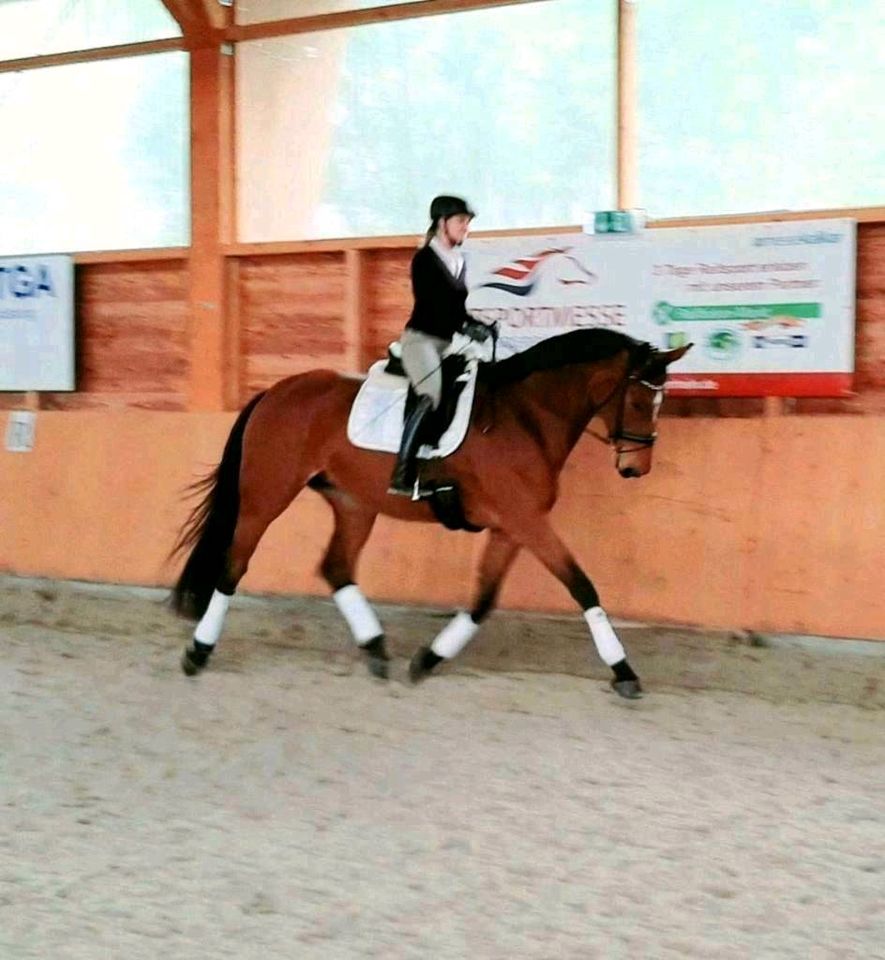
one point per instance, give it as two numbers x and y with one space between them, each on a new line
376 657
628 689
193 661
378 667
422 664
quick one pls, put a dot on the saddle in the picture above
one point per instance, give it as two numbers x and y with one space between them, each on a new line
386 397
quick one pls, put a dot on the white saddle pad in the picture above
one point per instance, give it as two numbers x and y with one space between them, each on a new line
376 417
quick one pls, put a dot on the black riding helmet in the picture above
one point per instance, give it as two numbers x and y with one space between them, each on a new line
441 208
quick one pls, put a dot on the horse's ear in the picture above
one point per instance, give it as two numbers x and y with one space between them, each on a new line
671 356
661 359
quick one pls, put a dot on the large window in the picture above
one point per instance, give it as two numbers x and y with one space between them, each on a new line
749 105
37 27
95 156
351 132
744 106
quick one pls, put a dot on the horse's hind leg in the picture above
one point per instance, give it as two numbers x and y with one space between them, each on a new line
255 516
498 555
353 524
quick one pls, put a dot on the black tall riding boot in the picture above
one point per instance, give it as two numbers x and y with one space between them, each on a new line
402 482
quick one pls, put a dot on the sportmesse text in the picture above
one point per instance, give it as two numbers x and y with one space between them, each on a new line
597 315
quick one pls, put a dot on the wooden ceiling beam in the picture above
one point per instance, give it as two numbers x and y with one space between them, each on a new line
94 53
205 22
219 16
201 21
356 18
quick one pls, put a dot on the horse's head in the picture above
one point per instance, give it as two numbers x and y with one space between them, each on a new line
631 415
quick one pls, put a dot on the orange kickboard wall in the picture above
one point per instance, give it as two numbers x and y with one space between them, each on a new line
769 524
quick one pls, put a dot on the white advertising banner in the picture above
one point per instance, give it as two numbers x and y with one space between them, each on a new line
37 323
769 306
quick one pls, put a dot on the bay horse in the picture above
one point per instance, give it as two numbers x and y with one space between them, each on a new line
530 410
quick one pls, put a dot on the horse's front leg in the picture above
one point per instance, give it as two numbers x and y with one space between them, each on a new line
538 537
497 557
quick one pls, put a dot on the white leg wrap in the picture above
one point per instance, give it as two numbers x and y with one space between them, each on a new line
209 628
605 638
454 636
360 616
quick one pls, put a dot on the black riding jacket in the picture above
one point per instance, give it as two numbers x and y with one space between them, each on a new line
439 297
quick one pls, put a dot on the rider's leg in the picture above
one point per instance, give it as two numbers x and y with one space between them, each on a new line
422 357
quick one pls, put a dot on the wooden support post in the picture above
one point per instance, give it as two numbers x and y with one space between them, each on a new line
353 312
211 224
627 163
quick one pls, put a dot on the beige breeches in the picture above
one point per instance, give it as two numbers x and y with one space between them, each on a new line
422 356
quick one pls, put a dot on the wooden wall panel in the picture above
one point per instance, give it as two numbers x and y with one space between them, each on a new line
291 311
132 335
388 297
871 258
131 322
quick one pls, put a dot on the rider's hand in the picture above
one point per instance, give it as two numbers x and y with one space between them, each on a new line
477 330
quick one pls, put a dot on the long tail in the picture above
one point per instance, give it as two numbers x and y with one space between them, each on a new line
209 529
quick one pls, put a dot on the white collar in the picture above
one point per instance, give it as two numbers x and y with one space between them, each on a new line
450 256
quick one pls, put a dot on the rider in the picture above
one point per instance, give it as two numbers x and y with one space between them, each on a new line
439 286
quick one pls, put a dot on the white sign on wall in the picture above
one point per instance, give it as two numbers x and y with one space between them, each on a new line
37 323
769 306
20 429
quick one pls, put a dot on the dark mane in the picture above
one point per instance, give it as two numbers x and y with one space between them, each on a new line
576 346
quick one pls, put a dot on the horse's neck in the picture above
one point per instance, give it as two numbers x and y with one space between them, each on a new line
561 403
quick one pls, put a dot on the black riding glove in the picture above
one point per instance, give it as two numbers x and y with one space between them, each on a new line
477 330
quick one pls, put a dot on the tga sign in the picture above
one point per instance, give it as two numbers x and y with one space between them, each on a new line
21 280
37 322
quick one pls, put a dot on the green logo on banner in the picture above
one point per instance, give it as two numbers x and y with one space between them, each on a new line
723 344
664 313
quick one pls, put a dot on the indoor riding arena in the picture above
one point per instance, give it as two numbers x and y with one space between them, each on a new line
667 201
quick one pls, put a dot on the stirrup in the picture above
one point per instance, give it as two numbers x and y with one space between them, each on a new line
415 492
400 484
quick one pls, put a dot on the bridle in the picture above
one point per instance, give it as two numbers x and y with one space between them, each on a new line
619 434
642 440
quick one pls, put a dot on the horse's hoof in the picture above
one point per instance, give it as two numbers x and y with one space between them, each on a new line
376 657
421 665
379 667
628 689
416 668
193 661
